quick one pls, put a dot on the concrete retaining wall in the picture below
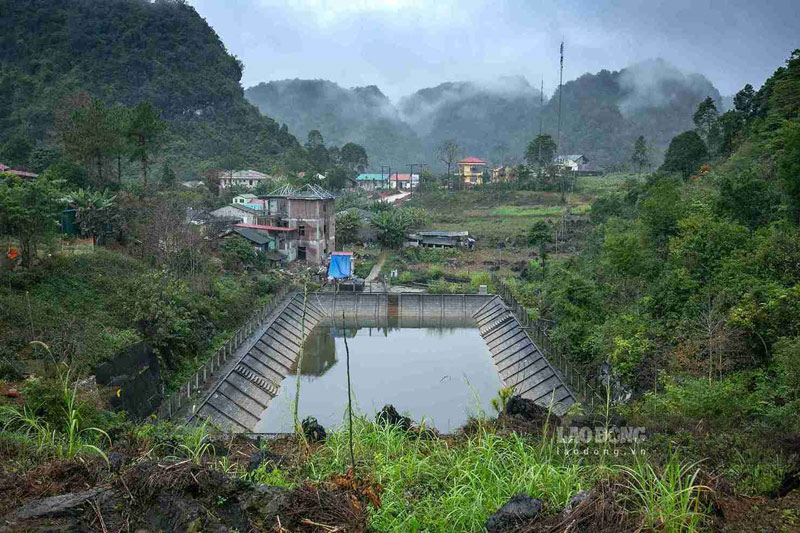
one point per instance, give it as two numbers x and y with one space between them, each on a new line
519 362
240 398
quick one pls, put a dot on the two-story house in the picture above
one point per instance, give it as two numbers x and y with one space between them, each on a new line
471 170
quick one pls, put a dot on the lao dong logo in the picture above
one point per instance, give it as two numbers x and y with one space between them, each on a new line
601 434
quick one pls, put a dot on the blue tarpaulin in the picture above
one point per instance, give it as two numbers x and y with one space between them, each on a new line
341 266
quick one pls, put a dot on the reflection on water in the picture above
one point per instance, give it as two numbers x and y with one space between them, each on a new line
443 375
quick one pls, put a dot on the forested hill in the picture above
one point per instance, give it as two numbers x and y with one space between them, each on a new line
127 51
603 114
363 115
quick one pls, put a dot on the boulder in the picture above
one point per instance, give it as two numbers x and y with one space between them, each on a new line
528 410
388 416
313 430
520 509
578 498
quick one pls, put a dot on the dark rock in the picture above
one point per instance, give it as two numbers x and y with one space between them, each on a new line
388 416
519 509
313 430
116 461
260 457
577 499
60 505
501 245
528 410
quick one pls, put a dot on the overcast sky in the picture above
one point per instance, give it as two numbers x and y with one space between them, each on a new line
405 45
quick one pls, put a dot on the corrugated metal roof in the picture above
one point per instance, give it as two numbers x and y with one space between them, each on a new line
438 233
253 235
262 227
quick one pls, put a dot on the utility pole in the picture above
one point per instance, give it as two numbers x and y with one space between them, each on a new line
560 91
388 173
411 176
541 128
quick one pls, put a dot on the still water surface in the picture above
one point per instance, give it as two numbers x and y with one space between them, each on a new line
443 375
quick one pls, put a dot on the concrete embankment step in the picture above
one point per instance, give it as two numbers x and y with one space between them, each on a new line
519 362
241 397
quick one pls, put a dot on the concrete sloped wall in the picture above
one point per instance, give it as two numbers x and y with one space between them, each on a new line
520 363
239 400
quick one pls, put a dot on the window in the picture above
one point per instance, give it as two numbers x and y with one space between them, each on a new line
301 230
251 183
324 207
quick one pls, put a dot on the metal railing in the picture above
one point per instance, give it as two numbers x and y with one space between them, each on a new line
538 334
193 386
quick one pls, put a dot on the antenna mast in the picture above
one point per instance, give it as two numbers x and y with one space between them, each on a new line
560 87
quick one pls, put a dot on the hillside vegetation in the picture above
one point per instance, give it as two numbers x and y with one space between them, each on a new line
129 51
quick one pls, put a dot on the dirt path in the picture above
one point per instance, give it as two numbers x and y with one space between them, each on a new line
376 270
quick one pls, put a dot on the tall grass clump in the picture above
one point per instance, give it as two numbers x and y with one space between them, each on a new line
66 434
439 485
669 501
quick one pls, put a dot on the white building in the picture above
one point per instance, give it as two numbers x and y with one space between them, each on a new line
244 198
245 214
247 179
571 162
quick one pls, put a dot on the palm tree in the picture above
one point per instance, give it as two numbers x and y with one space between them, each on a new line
94 212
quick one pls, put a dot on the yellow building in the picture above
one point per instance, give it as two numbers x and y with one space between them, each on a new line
471 171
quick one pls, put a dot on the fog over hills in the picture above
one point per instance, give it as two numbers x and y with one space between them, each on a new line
602 114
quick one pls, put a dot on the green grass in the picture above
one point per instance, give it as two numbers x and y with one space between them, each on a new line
549 211
599 185
435 485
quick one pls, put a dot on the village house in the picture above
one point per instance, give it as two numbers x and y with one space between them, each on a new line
576 163
311 211
244 214
371 182
247 179
440 239
504 174
404 181
471 170
296 223
20 173
280 243
243 198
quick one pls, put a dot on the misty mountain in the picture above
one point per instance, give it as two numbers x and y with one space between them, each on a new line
363 115
602 114
127 51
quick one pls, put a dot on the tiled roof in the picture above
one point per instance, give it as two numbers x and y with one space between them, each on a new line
245 175
262 227
472 161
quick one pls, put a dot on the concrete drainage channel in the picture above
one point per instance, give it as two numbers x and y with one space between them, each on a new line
246 388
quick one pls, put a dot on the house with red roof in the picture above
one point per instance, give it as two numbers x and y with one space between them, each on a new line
403 181
471 170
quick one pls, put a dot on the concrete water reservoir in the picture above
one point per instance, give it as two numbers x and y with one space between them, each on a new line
417 351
